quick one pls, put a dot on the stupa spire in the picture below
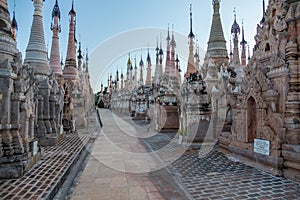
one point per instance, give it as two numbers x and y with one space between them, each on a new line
87 61
55 64
148 77
161 53
243 44
141 71
135 73
264 8
36 52
216 40
70 69
191 69
79 57
71 52
14 24
173 46
158 67
191 35
249 57
235 31
168 59
116 82
122 81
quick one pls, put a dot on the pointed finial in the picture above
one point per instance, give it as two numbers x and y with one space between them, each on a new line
160 40
141 61
117 73
177 60
172 31
157 48
72 11
87 54
14 8
129 60
79 50
173 43
234 12
263 18
168 37
249 52
235 29
243 42
216 4
215 1
148 56
161 52
191 35
56 11
14 24
48 50
61 61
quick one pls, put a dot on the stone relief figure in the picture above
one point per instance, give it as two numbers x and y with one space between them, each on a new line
272 128
282 38
237 125
68 106
17 64
280 24
258 35
24 87
26 114
60 101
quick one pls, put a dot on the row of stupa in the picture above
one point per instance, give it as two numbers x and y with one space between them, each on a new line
249 109
41 103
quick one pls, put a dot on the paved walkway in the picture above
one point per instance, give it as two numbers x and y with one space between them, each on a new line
46 177
130 161
120 167
219 176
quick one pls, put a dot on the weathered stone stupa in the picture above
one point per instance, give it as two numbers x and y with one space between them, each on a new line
36 56
19 146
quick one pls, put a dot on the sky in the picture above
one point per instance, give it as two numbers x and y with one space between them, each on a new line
109 28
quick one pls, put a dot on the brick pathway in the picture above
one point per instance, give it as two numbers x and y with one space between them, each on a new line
45 178
120 167
218 177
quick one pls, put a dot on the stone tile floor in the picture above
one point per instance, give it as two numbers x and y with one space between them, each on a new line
41 182
117 169
215 176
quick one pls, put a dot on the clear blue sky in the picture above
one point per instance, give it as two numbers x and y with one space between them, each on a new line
99 20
